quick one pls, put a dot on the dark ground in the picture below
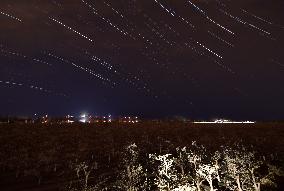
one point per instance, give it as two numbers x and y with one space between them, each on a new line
38 157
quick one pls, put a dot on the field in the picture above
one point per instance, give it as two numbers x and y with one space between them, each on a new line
143 156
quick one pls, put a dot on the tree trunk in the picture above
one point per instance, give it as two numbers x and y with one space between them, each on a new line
198 184
198 187
182 170
211 184
239 184
255 184
86 179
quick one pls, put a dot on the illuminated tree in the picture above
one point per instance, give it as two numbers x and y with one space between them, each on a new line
209 172
241 167
83 171
205 168
166 173
132 176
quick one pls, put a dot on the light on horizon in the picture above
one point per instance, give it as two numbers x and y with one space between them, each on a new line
224 121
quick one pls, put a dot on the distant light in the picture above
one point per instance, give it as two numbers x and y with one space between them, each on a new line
83 120
70 121
225 122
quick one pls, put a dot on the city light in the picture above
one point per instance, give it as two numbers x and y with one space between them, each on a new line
224 121
83 118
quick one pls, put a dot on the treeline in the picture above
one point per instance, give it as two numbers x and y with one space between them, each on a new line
195 169
80 157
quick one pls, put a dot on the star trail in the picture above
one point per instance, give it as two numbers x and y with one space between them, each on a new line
155 58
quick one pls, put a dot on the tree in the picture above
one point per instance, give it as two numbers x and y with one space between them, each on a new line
133 177
209 172
83 171
202 171
166 176
241 167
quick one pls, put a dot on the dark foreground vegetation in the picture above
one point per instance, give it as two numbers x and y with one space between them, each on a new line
144 156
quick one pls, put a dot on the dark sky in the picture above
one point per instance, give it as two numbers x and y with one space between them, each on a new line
152 58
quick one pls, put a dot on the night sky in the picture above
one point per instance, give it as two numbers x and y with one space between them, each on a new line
153 58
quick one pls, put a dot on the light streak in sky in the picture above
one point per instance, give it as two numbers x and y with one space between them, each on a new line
10 16
71 29
130 47
85 69
208 49
174 14
130 25
257 17
113 9
208 18
167 10
180 17
276 62
237 19
125 33
13 53
32 87
219 38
